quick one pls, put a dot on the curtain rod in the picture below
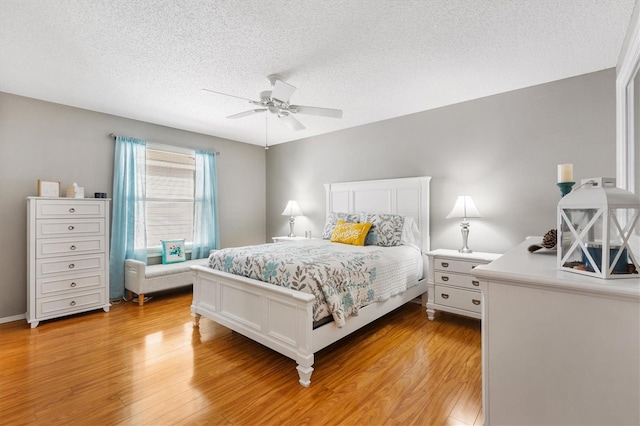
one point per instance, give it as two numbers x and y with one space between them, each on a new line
113 135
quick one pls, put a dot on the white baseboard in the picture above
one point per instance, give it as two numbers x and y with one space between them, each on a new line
13 318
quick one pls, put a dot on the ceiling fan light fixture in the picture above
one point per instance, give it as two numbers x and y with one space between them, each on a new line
282 91
265 95
276 101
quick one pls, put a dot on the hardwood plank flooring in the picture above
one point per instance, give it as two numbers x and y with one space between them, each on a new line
149 365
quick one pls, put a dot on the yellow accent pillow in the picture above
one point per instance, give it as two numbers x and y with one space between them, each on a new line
350 233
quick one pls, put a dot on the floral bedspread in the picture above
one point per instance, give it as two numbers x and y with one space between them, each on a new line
341 279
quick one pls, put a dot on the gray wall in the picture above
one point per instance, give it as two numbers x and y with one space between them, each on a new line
41 140
503 150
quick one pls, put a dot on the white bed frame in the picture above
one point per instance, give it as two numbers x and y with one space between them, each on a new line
282 319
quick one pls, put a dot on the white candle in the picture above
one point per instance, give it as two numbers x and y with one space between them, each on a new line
565 172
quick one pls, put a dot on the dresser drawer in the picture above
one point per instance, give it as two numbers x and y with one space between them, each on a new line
62 208
70 264
69 246
454 265
51 228
69 284
458 280
458 298
55 306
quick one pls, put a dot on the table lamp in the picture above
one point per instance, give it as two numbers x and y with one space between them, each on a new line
464 208
292 210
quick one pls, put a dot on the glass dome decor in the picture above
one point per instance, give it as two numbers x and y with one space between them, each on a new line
599 234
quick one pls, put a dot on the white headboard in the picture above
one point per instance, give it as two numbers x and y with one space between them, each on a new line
404 196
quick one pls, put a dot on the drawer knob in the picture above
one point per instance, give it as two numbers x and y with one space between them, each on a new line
73 303
72 210
445 296
445 264
475 282
445 278
71 227
73 284
71 266
475 301
73 247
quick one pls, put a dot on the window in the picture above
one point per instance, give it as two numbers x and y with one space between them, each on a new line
170 178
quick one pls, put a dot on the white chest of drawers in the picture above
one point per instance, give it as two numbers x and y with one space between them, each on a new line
451 286
67 257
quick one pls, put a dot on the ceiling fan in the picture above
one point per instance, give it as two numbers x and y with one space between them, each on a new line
276 101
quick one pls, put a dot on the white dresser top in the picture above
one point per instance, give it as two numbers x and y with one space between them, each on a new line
519 267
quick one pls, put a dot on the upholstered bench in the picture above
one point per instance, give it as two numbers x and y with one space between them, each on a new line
140 278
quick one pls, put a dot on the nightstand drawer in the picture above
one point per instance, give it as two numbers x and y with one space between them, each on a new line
457 298
458 280
453 265
452 286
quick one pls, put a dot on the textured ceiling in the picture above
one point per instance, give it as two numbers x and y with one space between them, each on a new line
375 59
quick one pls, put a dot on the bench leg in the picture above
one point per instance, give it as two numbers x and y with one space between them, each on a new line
140 299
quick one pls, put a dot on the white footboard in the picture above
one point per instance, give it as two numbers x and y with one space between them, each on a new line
276 317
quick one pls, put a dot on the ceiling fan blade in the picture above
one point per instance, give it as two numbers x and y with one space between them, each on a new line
282 91
291 122
247 113
226 94
324 112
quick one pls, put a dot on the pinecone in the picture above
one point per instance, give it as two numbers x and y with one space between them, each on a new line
550 239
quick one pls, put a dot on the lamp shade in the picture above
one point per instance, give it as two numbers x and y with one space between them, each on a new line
292 209
464 208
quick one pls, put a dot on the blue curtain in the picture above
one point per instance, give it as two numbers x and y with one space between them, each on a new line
205 218
128 238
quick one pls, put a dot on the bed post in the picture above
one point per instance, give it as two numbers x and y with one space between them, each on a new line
305 374
304 350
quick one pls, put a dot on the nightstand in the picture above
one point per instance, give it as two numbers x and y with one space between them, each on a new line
287 239
452 286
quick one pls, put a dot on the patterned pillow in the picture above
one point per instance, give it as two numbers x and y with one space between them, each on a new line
386 230
350 233
333 218
173 251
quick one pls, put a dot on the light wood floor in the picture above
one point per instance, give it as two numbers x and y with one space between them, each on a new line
149 365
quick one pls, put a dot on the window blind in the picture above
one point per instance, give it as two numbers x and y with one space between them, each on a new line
170 188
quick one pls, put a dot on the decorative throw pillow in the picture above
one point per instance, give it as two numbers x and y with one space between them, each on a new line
350 233
333 218
386 229
173 251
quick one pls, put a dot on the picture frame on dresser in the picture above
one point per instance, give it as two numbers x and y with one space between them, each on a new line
47 188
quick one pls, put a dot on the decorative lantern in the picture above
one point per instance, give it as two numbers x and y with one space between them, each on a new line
598 230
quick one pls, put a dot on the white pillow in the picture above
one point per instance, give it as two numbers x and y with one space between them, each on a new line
410 233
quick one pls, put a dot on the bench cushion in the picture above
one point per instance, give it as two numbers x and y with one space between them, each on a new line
152 271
